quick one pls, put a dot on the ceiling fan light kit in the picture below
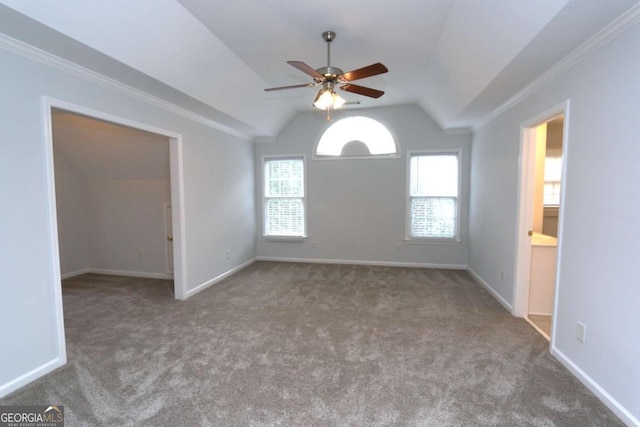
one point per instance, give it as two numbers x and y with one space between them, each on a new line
331 77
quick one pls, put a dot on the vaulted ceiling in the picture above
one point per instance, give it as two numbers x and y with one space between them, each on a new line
459 60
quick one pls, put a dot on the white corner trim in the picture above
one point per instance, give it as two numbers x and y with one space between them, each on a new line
625 21
361 262
176 166
46 58
54 254
31 376
492 291
205 285
609 401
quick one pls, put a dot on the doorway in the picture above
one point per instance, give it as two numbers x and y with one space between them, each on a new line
175 183
543 153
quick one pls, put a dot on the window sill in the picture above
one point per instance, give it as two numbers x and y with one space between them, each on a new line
427 241
294 239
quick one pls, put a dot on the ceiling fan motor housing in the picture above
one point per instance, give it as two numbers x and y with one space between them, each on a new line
330 73
329 35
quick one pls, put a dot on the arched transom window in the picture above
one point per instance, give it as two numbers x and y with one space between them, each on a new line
356 136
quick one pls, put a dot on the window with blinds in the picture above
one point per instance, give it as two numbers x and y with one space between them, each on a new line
433 196
284 204
552 177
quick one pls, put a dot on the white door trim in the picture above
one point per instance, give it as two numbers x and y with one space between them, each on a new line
525 208
168 254
177 196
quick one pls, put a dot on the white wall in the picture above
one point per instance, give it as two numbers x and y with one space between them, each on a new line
103 225
353 201
600 231
218 205
112 183
71 209
126 218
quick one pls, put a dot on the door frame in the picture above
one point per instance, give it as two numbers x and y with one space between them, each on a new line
176 171
168 254
525 208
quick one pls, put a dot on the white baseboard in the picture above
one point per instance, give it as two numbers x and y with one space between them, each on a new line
32 375
142 274
539 314
611 403
360 262
492 291
205 285
75 273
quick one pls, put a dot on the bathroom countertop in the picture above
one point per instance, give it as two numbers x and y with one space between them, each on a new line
539 239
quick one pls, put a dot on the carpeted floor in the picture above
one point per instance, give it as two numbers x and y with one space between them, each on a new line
283 344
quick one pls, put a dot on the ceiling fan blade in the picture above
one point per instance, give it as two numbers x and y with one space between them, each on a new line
306 69
291 87
368 71
361 90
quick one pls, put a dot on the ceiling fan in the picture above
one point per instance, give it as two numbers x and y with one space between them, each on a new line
333 77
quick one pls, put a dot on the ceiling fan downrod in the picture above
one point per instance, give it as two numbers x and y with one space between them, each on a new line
328 36
329 72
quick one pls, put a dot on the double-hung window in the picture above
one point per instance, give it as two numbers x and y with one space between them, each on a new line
284 199
433 196
552 176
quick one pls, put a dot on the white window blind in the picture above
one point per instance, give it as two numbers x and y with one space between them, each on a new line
433 196
284 207
552 177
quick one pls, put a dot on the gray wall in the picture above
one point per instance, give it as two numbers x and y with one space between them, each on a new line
71 209
352 201
112 184
218 198
125 218
599 232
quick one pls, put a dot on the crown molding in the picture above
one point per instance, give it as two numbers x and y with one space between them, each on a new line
621 24
31 52
264 139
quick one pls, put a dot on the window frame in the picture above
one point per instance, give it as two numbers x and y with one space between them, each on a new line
265 198
396 155
432 240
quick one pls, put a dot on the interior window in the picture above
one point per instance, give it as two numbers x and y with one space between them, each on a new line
356 136
433 196
284 202
552 177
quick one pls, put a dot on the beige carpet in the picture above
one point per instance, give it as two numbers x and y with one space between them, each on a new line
541 321
282 344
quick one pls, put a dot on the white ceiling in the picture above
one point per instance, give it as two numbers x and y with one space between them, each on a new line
458 59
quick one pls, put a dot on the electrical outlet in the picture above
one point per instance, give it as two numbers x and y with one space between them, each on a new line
502 276
359 245
313 245
228 253
397 247
581 332
141 253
